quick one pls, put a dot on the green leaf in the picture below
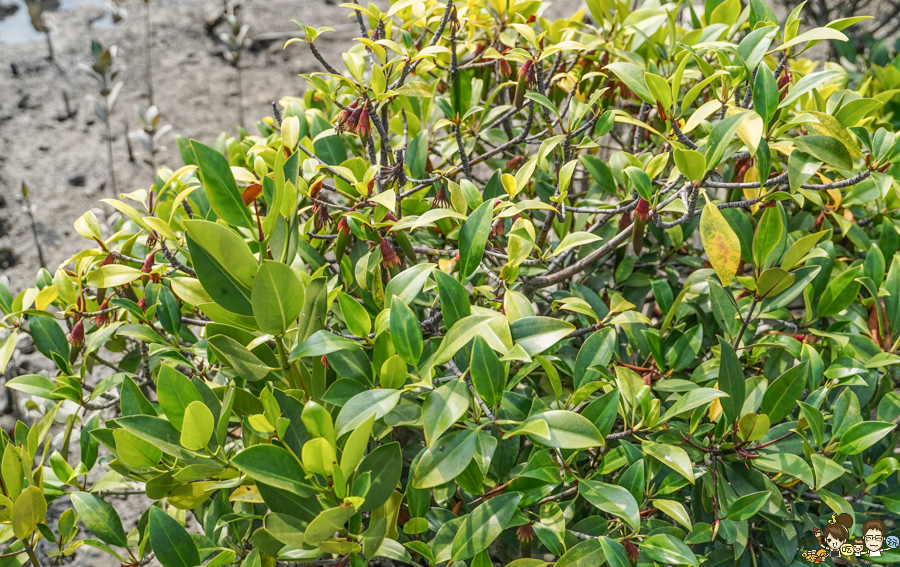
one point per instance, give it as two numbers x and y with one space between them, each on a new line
673 457
363 406
273 466
634 78
171 542
574 239
483 525
446 459
277 297
765 96
157 431
613 500
327 522
225 266
863 435
753 48
785 463
197 427
674 509
840 293
694 399
809 82
169 311
825 148
586 554
473 237
175 393
767 238
731 381
614 552
721 244
454 298
443 407
488 373
641 182
321 343
29 510
747 506
385 464
800 248
134 451
459 335
691 164
826 470
665 548
565 430
405 332
113 275
312 315
221 190
99 517
408 284
34 385
815 420
721 136
355 315
537 334
233 354
781 395
801 167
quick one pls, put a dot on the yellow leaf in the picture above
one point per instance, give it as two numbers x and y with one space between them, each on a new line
722 246
45 297
249 494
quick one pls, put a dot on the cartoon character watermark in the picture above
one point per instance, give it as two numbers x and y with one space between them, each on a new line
835 541
873 530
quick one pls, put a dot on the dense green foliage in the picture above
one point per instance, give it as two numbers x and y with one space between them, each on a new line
495 289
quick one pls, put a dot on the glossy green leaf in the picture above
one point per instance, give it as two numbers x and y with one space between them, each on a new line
171 542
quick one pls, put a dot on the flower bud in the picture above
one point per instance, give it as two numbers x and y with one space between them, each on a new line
76 337
389 257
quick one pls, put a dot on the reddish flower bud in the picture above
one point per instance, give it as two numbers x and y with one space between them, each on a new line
525 533
76 337
514 162
503 68
143 304
624 221
103 318
783 81
110 259
441 200
632 550
342 226
604 60
642 211
324 361
315 188
389 216
389 257
364 128
148 264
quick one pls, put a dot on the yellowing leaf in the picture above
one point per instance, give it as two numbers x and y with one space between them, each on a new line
722 246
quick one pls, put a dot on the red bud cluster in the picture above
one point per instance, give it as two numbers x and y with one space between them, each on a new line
642 211
389 257
527 71
354 118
